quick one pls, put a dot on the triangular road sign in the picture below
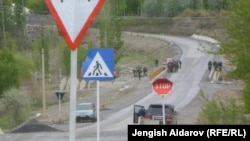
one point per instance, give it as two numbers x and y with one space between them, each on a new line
98 68
73 17
99 64
60 95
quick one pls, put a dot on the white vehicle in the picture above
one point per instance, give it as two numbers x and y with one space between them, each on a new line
85 112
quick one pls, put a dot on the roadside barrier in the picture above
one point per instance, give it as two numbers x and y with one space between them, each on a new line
205 38
1 132
155 73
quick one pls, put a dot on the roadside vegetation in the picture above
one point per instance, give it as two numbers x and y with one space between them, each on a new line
221 111
15 107
24 36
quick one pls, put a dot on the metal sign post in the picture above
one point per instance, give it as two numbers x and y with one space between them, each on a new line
43 75
163 111
76 16
97 110
73 89
98 65
59 108
59 95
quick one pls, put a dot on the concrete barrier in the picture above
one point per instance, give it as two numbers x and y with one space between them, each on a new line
155 73
205 38
1 132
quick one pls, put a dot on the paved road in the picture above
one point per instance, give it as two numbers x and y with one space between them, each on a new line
114 127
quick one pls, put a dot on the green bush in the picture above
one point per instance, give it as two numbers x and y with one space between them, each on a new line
6 122
246 97
221 112
9 71
15 108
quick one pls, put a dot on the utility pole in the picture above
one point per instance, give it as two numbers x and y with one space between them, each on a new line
43 75
106 29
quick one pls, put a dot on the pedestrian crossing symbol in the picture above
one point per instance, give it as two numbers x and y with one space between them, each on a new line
99 64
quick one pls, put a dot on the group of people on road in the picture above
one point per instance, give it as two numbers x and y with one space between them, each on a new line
139 72
217 65
170 64
173 65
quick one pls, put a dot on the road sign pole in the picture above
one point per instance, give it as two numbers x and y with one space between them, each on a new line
65 13
59 108
163 111
73 77
43 76
97 110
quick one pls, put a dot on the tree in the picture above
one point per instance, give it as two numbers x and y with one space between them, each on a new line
195 4
65 55
37 6
110 25
237 47
16 106
25 67
133 7
164 8
19 22
9 71
151 8
13 21
37 47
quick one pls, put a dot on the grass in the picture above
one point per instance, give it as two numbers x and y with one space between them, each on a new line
217 111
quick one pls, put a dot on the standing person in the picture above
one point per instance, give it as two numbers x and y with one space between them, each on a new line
115 74
220 65
156 62
209 65
139 73
179 63
145 71
215 64
142 112
141 115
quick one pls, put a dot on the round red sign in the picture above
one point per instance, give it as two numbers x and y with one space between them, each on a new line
162 86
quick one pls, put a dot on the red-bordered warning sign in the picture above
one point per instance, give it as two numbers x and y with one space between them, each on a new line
73 17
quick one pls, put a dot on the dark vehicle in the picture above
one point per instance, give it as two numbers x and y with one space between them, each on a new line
154 112
85 112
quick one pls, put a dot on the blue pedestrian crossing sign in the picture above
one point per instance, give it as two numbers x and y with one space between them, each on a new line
99 64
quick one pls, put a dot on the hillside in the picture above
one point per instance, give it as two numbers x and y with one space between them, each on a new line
136 50
206 23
